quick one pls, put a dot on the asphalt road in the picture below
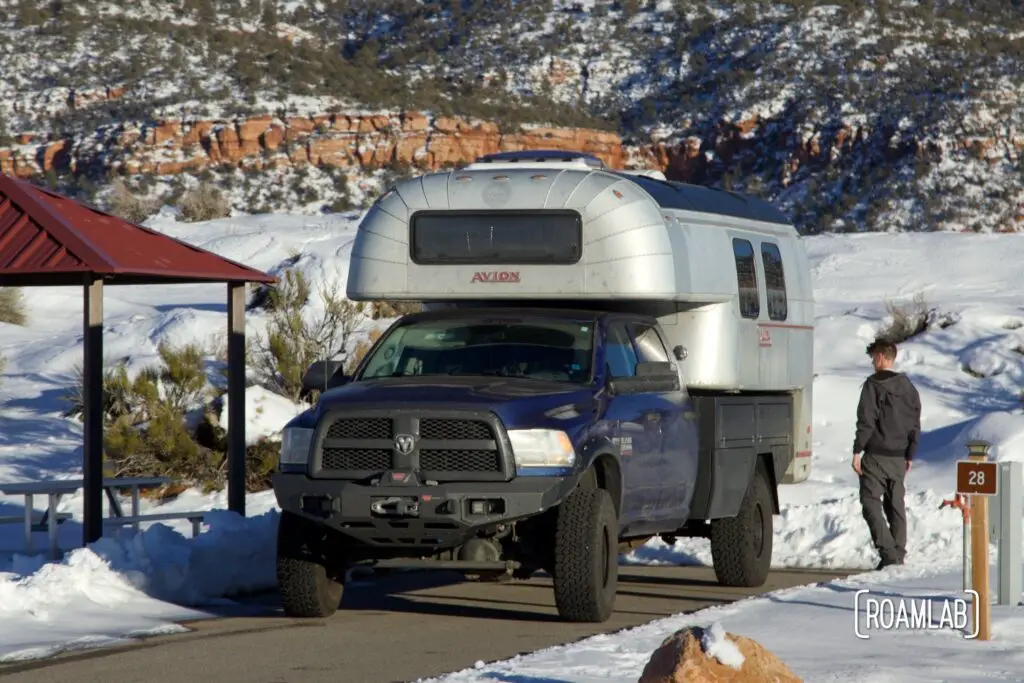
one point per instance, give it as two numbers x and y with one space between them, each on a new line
395 628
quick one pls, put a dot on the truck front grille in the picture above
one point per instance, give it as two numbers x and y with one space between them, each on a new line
445 447
349 459
360 428
455 460
454 430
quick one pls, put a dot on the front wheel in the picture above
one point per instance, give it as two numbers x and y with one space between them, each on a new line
586 556
741 546
309 582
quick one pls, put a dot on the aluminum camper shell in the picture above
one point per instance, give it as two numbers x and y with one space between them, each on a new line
674 250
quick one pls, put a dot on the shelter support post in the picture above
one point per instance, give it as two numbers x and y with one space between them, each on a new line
92 381
1004 530
236 397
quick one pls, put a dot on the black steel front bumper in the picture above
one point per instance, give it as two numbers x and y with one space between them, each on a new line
407 517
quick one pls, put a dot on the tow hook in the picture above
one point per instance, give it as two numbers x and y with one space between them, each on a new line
396 507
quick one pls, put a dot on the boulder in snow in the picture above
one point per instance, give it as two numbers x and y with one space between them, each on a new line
710 655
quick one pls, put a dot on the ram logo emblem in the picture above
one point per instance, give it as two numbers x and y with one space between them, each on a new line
404 443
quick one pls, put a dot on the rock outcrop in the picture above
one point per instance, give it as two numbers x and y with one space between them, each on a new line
692 655
368 141
364 141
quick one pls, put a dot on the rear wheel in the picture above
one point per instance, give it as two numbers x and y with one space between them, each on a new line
586 556
741 547
309 575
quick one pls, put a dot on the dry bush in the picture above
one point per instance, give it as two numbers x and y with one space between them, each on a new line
12 306
393 309
203 203
293 341
125 204
908 320
146 433
360 350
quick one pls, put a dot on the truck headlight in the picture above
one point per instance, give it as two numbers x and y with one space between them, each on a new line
535 449
295 445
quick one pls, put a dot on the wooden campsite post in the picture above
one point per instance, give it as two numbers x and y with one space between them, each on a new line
236 397
979 479
92 411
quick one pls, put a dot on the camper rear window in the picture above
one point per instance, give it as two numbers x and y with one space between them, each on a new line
497 238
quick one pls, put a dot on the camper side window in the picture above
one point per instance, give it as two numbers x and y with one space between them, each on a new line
746 274
774 281
619 357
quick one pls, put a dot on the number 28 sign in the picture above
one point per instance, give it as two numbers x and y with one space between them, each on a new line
977 478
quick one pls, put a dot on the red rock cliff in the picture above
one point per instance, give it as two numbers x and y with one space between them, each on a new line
346 141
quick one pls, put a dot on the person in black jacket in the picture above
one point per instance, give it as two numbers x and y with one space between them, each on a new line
888 432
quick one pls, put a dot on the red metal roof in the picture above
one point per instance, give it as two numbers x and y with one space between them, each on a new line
46 238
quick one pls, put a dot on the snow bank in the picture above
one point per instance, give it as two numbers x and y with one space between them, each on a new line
133 584
265 413
810 629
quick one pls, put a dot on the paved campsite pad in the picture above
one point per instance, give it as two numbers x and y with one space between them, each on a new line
393 628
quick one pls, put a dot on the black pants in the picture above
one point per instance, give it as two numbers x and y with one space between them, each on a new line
882 496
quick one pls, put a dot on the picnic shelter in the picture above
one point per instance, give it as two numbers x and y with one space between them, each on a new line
48 240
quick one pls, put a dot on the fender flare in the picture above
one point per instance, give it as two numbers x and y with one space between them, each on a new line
602 448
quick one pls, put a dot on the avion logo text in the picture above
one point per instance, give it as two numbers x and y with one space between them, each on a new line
496 276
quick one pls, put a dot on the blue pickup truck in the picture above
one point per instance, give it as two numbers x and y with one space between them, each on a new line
540 416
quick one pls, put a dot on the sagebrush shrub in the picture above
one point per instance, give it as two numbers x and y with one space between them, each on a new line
12 306
907 321
146 432
294 340
124 203
203 203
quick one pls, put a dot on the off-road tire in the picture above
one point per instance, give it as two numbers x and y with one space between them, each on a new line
310 584
741 547
586 556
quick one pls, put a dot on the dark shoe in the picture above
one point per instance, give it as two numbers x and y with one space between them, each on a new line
887 563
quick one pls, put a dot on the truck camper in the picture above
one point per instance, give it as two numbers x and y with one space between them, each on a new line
603 357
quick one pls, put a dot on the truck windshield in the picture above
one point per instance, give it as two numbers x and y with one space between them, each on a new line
535 348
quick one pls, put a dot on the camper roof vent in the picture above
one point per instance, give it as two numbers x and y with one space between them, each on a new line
547 157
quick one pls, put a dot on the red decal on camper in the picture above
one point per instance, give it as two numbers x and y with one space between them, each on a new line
496 276
764 336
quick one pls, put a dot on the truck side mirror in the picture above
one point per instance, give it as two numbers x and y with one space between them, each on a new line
323 375
650 377
680 352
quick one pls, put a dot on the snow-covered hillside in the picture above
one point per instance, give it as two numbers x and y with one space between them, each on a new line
969 367
852 115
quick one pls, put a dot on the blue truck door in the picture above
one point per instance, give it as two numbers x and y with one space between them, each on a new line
671 420
631 412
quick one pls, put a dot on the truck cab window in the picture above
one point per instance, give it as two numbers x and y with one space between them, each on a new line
774 281
746 275
553 349
620 358
649 345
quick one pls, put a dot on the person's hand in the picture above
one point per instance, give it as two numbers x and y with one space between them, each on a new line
909 465
856 464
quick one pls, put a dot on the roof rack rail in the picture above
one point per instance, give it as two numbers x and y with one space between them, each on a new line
646 173
541 156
